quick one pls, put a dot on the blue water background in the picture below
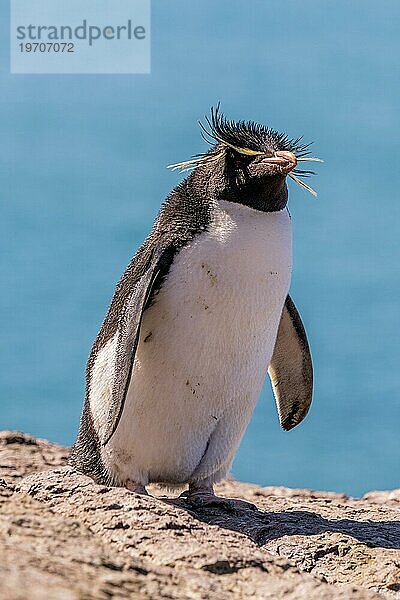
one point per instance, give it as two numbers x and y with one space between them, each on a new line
82 174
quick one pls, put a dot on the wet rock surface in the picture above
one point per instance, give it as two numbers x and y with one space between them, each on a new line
64 537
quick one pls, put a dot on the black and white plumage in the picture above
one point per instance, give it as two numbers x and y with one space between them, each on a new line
200 315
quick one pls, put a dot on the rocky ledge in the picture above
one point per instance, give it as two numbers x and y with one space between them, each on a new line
63 537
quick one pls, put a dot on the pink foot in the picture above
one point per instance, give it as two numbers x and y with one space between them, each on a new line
136 488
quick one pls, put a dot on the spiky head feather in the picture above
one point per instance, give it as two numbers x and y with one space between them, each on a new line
246 138
248 135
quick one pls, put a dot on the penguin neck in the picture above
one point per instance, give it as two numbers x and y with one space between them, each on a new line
266 194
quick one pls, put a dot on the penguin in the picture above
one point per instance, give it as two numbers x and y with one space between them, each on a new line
200 316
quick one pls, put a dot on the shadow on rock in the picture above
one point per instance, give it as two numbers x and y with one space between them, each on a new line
263 527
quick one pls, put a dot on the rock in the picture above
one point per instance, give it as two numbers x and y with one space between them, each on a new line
63 537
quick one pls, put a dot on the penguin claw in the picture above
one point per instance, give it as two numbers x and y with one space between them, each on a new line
212 501
202 496
207 500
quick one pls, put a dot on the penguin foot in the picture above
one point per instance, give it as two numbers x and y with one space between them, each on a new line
209 500
136 488
204 497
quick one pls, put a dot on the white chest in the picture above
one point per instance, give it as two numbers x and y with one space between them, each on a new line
206 343
224 293
237 272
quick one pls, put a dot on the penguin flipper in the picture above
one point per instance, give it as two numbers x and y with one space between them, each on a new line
290 369
108 383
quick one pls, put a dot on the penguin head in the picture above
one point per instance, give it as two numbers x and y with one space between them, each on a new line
247 163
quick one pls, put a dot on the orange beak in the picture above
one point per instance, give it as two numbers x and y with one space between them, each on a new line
285 160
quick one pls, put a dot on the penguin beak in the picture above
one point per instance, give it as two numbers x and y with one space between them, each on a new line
286 161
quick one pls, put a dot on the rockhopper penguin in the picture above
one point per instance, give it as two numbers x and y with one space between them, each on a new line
201 314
